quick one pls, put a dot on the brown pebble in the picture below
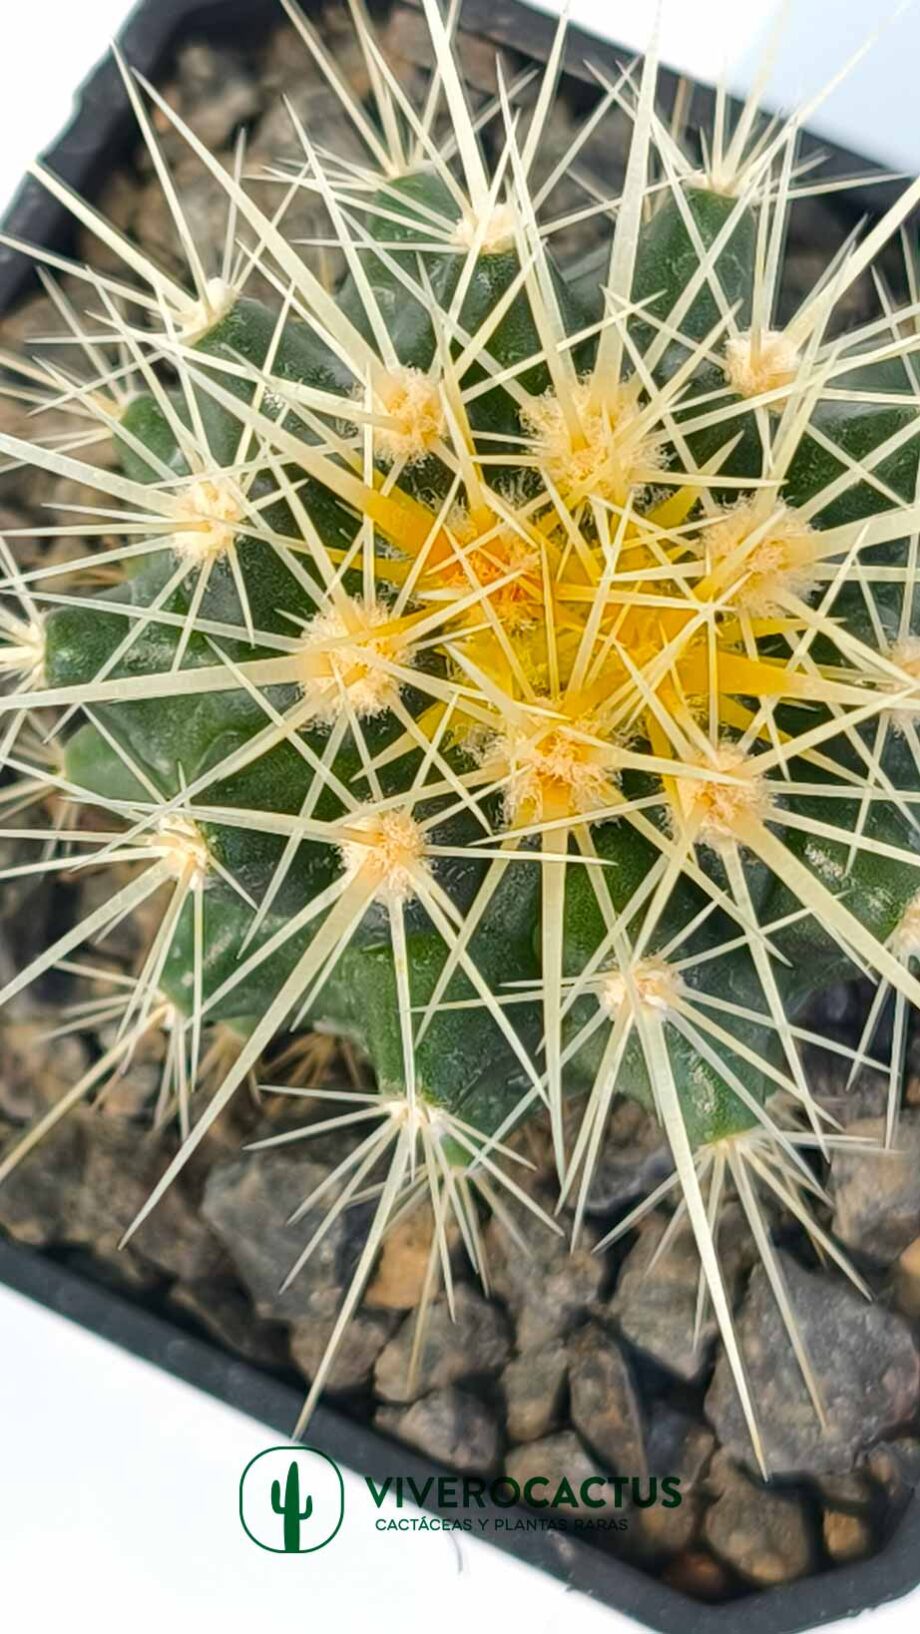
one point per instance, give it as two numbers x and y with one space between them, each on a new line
846 1537
907 1279
697 1574
764 1534
403 1264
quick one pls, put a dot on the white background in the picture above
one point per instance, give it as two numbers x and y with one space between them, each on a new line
118 1486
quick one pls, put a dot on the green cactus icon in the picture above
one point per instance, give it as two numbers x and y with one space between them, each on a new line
290 1508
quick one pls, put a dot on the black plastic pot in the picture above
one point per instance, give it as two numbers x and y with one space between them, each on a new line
795 1606
97 137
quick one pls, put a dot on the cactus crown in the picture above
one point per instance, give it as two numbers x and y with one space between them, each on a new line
520 685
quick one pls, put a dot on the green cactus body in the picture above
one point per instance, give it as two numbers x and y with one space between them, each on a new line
192 733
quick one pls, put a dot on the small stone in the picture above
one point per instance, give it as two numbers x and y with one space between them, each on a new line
676 1445
864 1360
136 1086
24 934
219 1305
477 1342
634 1159
451 1426
216 91
122 1168
135 1090
248 1201
604 1405
698 1574
764 1535
353 1363
37 1070
846 1536
549 1288
556 1458
22 893
20 330
131 936
285 62
828 1075
85 1183
877 1193
407 36
275 138
33 1197
533 1384
403 1263
894 1465
907 1279
116 202
204 206
655 1299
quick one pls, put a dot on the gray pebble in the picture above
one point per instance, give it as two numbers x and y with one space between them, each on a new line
605 1407
451 1426
656 1293
477 1342
877 1193
547 1289
864 1359
533 1384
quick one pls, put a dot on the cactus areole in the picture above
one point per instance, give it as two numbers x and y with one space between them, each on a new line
519 685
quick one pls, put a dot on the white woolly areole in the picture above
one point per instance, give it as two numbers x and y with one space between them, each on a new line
387 847
907 655
412 403
905 938
337 659
209 513
718 806
654 983
776 562
553 772
608 457
761 363
417 1115
22 649
183 848
196 321
498 236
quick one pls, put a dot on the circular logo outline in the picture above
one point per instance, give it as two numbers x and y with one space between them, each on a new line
292 1448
